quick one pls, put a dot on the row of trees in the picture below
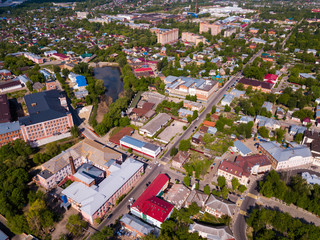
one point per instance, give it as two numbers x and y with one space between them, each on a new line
297 192
271 224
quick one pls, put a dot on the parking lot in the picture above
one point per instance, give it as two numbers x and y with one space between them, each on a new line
175 127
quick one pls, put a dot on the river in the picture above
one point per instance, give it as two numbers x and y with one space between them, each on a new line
112 80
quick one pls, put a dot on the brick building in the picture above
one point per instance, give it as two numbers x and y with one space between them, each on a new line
5 115
48 116
192 38
9 132
256 85
166 36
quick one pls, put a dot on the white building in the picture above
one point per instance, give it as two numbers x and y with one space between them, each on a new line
153 126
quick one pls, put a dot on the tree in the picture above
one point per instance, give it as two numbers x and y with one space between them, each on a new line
52 149
224 192
242 188
194 115
187 180
240 87
17 224
264 132
221 181
29 86
235 183
105 233
75 131
184 145
298 137
227 108
65 72
206 189
124 121
75 224
173 151
213 109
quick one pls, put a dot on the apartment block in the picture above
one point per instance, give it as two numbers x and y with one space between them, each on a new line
166 36
192 38
214 28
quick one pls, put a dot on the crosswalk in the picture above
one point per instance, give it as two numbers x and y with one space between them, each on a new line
252 196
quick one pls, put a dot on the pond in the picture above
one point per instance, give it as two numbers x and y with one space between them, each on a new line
112 80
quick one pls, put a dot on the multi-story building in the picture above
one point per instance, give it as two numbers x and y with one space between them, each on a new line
312 140
166 36
219 207
48 116
144 148
95 201
243 167
63 165
229 31
33 57
9 132
5 115
149 206
282 158
214 28
192 38
183 86
256 85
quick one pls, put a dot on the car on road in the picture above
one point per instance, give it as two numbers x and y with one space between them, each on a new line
109 216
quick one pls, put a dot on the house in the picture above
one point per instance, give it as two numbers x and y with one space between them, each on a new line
198 197
149 206
294 129
306 76
268 106
184 113
48 116
153 126
136 226
180 158
177 195
95 202
246 119
280 113
241 148
192 105
312 140
208 123
5 72
227 100
197 138
283 158
38 86
219 207
311 179
60 56
242 167
237 93
270 123
306 121
271 78
210 232
144 148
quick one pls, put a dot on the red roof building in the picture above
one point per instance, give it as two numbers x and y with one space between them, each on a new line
151 208
60 56
243 167
272 78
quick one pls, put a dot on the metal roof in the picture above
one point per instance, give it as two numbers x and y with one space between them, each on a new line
136 224
9 127
133 141
242 148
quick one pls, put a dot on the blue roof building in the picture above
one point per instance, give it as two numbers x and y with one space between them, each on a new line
81 81
241 148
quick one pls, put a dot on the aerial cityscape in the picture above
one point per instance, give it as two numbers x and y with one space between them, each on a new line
150 119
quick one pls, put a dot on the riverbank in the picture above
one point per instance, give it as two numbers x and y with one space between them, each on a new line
104 64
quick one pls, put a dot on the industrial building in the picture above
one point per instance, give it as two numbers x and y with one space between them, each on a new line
146 149
149 206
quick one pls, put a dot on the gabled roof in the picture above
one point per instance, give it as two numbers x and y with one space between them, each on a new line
220 205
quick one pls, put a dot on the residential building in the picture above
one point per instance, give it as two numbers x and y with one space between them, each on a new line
242 167
219 207
149 206
153 126
180 159
49 53
256 85
229 31
268 106
311 179
87 151
193 38
5 72
183 86
33 57
166 36
137 226
60 56
210 232
48 116
312 140
192 105
246 119
282 158
95 201
10 86
198 197
227 100
294 129
271 78
214 28
177 195
146 149
5 115
270 123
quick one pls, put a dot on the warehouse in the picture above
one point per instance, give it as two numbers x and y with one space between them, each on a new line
147 149
152 127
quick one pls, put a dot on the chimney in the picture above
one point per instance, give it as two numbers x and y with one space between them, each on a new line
73 168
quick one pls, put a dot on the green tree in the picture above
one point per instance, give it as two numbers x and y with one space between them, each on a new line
264 132
184 145
227 108
105 233
76 225
18 224
206 189
224 192
173 151
242 188
298 137
187 180
213 109
235 183
75 131
221 181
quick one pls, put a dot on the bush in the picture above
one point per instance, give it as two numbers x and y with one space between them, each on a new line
173 152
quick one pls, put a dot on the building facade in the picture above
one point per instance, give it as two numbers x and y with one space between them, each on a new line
192 38
166 36
214 28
